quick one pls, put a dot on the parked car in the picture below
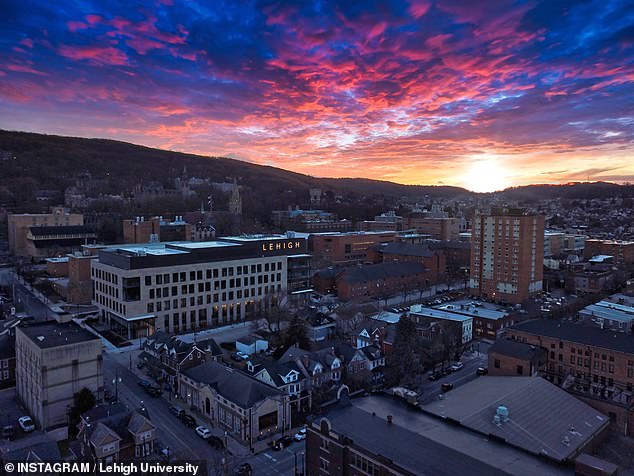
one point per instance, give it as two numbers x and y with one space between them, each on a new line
8 431
245 469
140 365
482 371
176 410
300 435
108 396
203 432
188 420
216 442
435 376
456 366
153 391
143 383
26 424
282 442
242 355
445 387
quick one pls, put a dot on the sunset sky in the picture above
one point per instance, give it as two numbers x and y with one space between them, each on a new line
482 94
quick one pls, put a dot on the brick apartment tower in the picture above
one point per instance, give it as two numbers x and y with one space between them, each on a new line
507 255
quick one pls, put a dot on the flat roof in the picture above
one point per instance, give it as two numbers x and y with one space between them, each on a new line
195 245
472 308
608 310
53 334
436 313
278 236
542 418
57 260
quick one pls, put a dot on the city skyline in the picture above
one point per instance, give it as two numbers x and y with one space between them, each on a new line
505 94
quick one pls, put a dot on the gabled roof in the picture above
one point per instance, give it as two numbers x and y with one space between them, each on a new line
542 419
277 370
138 423
233 385
102 435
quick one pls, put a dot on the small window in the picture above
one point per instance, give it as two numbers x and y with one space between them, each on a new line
496 364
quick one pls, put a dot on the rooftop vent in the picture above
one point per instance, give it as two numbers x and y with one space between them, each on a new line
503 413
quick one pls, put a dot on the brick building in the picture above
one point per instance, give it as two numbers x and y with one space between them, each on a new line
512 358
380 280
346 248
507 254
596 365
623 251
20 225
393 252
439 228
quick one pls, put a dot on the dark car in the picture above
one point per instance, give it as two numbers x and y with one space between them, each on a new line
140 365
188 420
482 371
435 376
108 396
153 391
8 431
176 410
282 442
445 387
216 442
245 469
143 383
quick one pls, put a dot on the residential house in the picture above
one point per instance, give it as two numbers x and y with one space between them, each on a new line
168 355
319 367
252 344
111 433
7 360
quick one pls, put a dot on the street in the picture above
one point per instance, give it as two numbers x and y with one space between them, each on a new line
279 462
181 441
429 390
32 305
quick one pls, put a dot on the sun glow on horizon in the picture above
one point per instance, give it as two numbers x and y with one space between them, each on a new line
486 174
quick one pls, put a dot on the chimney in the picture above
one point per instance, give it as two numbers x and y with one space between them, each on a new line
389 419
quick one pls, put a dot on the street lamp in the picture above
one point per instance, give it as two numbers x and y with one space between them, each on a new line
115 382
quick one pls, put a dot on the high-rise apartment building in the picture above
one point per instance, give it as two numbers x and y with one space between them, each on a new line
507 253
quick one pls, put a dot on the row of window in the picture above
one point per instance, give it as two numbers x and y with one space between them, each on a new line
200 274
217 285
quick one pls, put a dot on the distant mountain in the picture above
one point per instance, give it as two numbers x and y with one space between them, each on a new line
54 160
576 190
49 162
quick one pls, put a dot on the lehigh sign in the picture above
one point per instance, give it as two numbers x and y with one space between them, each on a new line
281 246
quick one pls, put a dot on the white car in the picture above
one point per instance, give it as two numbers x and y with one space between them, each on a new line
457 366
26 424
203 432
300 435
242 355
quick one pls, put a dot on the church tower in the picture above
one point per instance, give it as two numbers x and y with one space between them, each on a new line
235 202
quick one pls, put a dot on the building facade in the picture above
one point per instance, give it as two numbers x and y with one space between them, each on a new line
235 402
346 248
507 254
19 225
178 287
595 364
623 251
53 363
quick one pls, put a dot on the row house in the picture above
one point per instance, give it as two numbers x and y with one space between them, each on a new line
167 356
112 433
319 367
